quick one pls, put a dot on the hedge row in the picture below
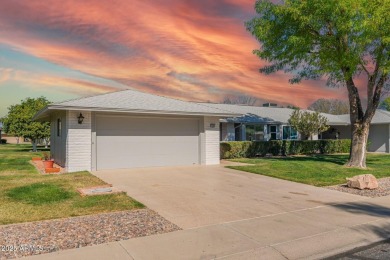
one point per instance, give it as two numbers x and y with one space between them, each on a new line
3 141
239 149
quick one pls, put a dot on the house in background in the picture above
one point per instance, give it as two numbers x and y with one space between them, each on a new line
10 139
129 129
271 123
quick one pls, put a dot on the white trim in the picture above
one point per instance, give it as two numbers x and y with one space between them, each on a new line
141 111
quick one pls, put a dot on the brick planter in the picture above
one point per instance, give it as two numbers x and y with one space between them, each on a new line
52 170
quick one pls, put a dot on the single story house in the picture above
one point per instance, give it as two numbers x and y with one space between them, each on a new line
267 123
129 129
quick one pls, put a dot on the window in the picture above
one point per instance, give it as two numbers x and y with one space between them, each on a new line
250 132
289 133
259 132
273 132
59 127
237 132
254 132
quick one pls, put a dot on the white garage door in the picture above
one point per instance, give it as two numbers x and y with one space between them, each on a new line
130 142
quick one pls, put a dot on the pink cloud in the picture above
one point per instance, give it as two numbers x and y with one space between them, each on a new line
141 43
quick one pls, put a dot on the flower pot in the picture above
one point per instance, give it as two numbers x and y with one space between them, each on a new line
48 164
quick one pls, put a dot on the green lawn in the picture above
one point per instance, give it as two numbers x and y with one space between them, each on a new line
26 195
318 170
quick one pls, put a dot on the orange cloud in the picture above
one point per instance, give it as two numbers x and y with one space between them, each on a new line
194 50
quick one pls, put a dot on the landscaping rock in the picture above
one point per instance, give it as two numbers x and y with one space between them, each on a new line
364 181
18 240
382 190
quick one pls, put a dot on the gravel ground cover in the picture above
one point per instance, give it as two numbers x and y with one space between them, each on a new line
33 238
382 190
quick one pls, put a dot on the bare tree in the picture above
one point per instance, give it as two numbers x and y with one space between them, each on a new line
330 106
240 100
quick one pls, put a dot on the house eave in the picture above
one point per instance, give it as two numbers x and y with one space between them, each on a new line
138 111
42 115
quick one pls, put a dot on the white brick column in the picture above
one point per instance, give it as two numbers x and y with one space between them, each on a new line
78 143
211 153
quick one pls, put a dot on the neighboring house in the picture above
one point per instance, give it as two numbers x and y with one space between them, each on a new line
267 123
9 138
129 129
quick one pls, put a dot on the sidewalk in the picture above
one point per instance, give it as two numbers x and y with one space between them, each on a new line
312 233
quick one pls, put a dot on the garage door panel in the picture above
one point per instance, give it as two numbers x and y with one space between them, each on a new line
128 142
146 127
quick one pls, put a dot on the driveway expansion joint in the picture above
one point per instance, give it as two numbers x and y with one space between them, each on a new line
127 251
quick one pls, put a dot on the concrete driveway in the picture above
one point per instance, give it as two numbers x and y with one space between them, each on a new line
228 214
205 195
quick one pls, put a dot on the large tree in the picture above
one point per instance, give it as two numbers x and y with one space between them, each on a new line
330 106
342 41
386 104
19 122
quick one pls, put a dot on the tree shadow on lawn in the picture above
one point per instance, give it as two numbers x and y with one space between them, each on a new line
335 159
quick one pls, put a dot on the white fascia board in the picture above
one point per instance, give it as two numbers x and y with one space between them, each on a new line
163 112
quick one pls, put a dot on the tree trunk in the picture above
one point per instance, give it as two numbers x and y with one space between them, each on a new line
34 144
358 153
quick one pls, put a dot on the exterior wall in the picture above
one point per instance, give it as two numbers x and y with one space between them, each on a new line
224 131
210 153
79 142
58 143
344 131
280 132
379 138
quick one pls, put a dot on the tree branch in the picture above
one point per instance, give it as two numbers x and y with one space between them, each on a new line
364 67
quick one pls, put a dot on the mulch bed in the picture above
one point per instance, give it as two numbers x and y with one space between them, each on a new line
382 190
34 238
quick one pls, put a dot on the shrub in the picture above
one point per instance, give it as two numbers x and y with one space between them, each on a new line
240 149
3 141
230 150
335 146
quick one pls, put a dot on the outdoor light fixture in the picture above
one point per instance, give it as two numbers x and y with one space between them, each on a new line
212 125
80 118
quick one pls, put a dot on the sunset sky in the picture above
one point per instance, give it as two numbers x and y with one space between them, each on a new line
193 50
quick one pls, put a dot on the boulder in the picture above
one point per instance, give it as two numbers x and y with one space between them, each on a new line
364 181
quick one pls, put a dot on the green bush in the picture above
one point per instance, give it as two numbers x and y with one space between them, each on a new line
335 146
3 141
235 149
240 149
